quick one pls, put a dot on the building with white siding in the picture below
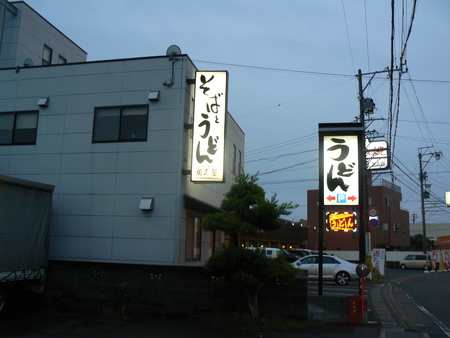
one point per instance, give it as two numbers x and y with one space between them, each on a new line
114 138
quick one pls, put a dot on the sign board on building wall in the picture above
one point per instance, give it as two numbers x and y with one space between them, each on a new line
208 141
340 148
377 155
447 198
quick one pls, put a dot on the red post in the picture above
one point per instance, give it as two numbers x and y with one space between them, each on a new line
353 309
362 297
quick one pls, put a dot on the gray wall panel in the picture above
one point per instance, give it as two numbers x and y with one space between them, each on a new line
128 205
96 83
87 205
145 162
89 163
144 227
88 184
151 251
144 184
36 164
85 226
82 248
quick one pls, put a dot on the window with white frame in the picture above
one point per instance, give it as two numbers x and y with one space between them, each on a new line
120 124
18 128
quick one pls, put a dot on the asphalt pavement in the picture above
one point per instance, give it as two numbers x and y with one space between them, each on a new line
391 314
397 314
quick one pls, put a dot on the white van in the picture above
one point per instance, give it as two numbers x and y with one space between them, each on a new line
416 262
270 252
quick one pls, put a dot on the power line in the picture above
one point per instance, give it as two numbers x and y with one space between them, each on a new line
283 155
309 72
276 69
289 167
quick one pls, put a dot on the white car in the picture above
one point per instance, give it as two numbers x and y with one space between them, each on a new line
334 268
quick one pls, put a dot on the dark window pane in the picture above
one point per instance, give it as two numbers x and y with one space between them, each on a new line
134 124
6 128
106 124
61 59
26 128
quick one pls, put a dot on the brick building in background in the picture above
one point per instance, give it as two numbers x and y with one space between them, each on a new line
391 234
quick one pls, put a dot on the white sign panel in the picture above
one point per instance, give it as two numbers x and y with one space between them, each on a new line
447 198
377 155
379 260
340 170
208 147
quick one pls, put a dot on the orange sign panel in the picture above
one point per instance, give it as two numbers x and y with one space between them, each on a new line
342 221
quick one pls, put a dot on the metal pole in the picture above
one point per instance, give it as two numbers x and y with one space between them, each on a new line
422 198
363 181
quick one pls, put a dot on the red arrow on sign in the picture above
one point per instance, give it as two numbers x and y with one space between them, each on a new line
352 198
331 198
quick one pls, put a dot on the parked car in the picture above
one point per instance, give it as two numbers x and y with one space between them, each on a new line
301 252
334 268
416 262
275 252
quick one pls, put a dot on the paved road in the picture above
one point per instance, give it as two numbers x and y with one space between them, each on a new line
432 295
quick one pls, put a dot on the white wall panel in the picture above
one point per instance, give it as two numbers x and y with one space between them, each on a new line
85 226
88 184
79 123
86 102
89 163
96 83
161 140
151 251
128 205
82 248
147 162
144 227
50 124
48 144
36 164
82 143
146 183
88 205
43 87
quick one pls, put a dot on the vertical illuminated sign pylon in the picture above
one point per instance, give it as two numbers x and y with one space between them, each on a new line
340 173
208 141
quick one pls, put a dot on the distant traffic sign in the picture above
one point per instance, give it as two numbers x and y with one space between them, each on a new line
374 222
373 212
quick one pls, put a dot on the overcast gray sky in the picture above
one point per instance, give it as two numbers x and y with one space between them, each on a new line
292 65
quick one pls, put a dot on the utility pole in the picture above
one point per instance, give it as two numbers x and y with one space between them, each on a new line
363 187
423 193
366 106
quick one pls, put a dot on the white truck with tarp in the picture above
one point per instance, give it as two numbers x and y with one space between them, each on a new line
25 209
